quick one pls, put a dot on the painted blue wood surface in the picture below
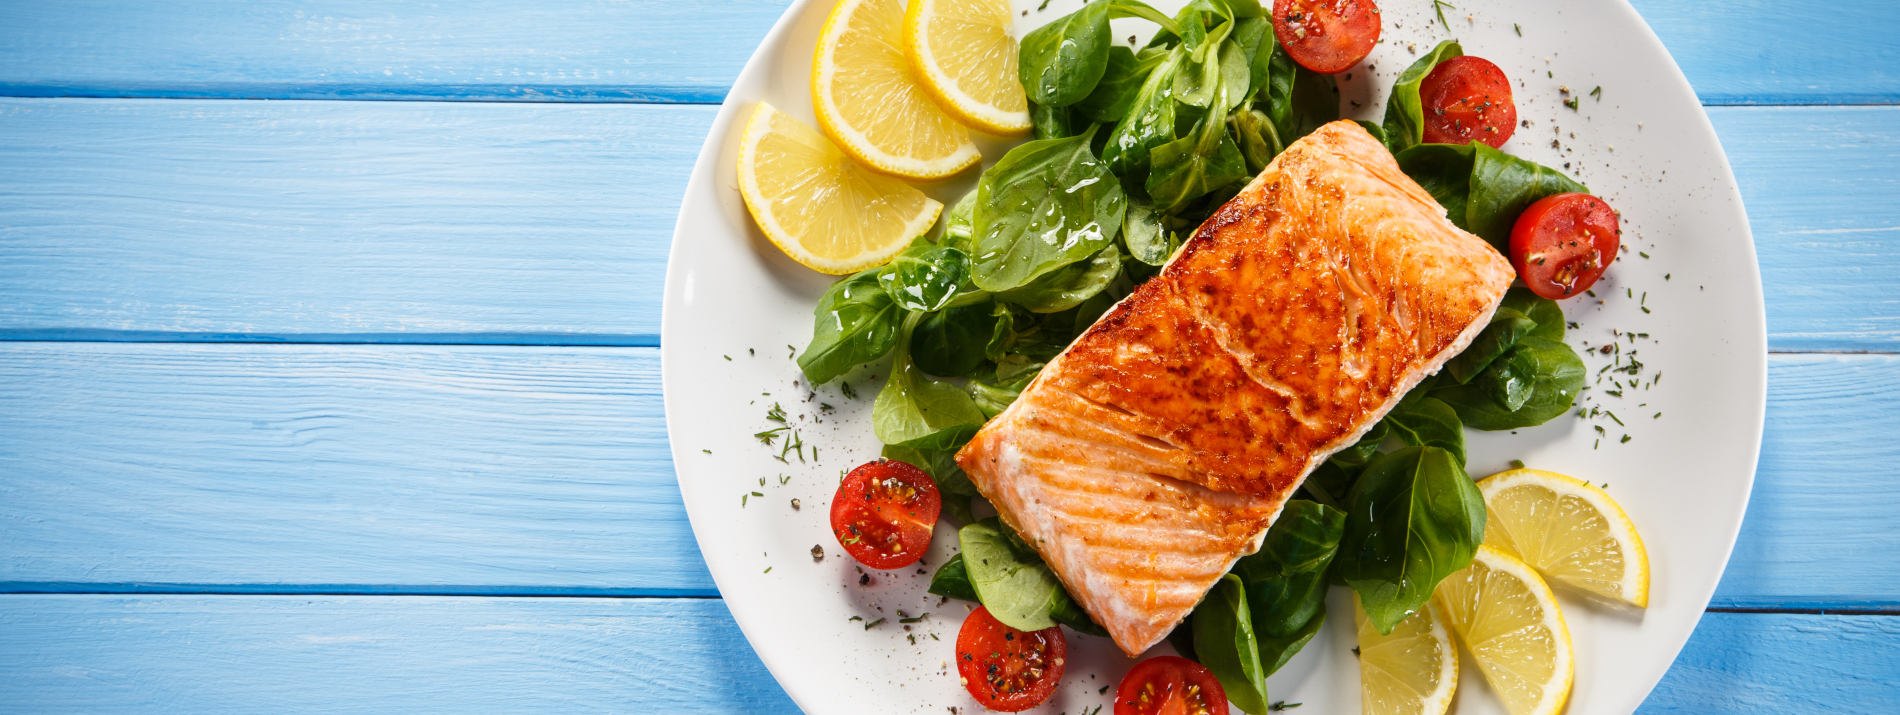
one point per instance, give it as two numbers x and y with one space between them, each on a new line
209 655
549 224
1733 51
404 654
524 470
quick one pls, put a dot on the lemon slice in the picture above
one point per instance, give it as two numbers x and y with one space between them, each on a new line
869 101
1570 531
1412 671
817 205
965 55
1510 622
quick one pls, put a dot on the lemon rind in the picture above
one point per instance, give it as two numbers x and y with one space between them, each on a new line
941 87
1635 583
854 142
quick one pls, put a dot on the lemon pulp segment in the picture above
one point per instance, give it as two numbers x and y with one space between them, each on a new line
1411 671
965 55
1569 530
869 101
1509 620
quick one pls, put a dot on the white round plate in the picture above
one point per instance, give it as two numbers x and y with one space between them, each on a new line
736 308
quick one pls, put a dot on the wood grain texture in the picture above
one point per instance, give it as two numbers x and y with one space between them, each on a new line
524 470
408 654
338 469
1733 51
207 655
1774 664
1824 203
339 221
400 222
580 51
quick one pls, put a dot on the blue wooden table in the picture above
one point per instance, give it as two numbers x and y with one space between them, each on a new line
328 378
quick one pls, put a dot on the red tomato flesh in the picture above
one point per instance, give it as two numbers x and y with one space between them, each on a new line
1007 669
883 513
1171 685
1561 245
1467 99
1326 36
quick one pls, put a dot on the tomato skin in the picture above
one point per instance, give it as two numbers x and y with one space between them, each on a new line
1562 244
1326 36
1006 669
1170 684
883 513
1467 99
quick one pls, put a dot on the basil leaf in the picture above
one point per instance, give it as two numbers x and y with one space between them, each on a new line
951 342
1052 122
1046 204
1299 100
1120 85
1150 121
1362 450
1506 328
1428 422
1286 578
1060 63
1068 286
856 322
915 411
1404 110
924 277
1224 641
1414 517
952 580
1551 373
1014 583
1502 186
1548 315
1275 651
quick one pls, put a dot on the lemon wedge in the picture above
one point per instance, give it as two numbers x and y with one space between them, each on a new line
1509 620
870 102
1411 671
817 205
965 55
1570 531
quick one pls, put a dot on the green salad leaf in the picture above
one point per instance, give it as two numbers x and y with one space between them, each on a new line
925 276
1404 110
1482 189
1532 383
1286 578
856 322
1048 203
1048 122
1429 422
1061 62
1225 642
1507 327
1413 518
1548 315
1068 286
1013 375
1012 581
950 342
1120 85
915 411
952 580
1150 121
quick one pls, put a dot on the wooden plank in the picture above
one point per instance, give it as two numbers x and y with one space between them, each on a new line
1733 51
492 50
1824 204
521 470
549 224
1772 664
410 654
339 221
363 469
175 654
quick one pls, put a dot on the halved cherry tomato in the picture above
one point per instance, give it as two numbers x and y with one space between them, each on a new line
1467 99
883 513
1561 244
1007 669
1326 36
1170 684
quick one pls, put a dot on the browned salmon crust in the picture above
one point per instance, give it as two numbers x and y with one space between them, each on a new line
1156 450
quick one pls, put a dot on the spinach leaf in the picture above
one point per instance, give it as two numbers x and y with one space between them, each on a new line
1404 110
1414 518
1362 450
1060 63
1542 376
1211 62
1548 315
915 411
1068 286
1299 100
1135 8
1142 229
1046 204
1014 583
940 464
856 322
951 342
1013 375
1502 186
1207 159
952 580
957 220
1053 122
1224 641
1507 327
1275 651
1428 422
925 276
1150 121
1286 578
1120 84
1444 171
1012 331
1254 134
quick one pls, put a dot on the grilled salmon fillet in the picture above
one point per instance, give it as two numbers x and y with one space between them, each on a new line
1157 449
